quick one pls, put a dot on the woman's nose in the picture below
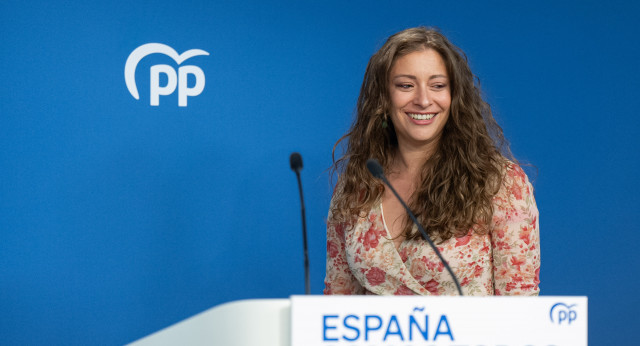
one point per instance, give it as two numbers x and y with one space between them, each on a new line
421 97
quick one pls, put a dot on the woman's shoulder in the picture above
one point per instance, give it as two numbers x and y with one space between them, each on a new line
513 174
338 190
516 191
340 203
513 169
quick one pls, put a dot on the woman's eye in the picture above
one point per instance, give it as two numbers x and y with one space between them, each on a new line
439 86
403 86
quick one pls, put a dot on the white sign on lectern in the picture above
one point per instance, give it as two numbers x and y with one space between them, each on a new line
438 321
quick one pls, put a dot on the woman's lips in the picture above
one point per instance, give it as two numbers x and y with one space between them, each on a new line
422 118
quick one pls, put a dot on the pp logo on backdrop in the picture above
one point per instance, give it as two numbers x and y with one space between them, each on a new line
561 313
173 79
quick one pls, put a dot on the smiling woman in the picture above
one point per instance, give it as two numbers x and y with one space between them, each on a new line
420 113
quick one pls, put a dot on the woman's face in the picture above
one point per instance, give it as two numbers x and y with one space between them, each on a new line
420 99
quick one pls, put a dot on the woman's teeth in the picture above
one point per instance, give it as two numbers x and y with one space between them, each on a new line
422 116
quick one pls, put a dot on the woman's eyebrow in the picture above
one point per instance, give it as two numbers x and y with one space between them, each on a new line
415 78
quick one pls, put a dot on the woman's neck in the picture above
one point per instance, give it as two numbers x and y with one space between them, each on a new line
408 162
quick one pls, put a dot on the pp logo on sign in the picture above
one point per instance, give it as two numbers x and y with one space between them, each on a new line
562 313
173 79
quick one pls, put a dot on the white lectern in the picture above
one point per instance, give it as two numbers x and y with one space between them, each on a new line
372 320
264 322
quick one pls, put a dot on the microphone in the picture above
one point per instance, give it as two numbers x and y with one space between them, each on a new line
377 171
295 160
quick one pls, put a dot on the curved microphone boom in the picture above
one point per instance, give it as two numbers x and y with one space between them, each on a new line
377 171
295 160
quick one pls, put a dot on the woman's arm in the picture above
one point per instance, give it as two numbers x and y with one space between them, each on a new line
515 236
339 279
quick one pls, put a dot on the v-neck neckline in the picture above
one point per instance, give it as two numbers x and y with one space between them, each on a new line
389 236
409 280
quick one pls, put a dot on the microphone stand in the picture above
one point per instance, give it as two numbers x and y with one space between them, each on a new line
296 166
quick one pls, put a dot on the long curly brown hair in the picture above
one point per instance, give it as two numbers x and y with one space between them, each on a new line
459 180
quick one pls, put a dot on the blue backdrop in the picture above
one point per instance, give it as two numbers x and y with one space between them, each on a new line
119 218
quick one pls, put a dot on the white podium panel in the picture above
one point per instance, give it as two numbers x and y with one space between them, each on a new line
263 322
433 321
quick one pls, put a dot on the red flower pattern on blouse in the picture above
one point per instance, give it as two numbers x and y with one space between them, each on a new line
362 258
403 291
332 249
375 276
463 240
404 255
517 261
370 239
525 234
432 286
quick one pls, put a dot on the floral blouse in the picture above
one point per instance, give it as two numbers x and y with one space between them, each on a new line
362 258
